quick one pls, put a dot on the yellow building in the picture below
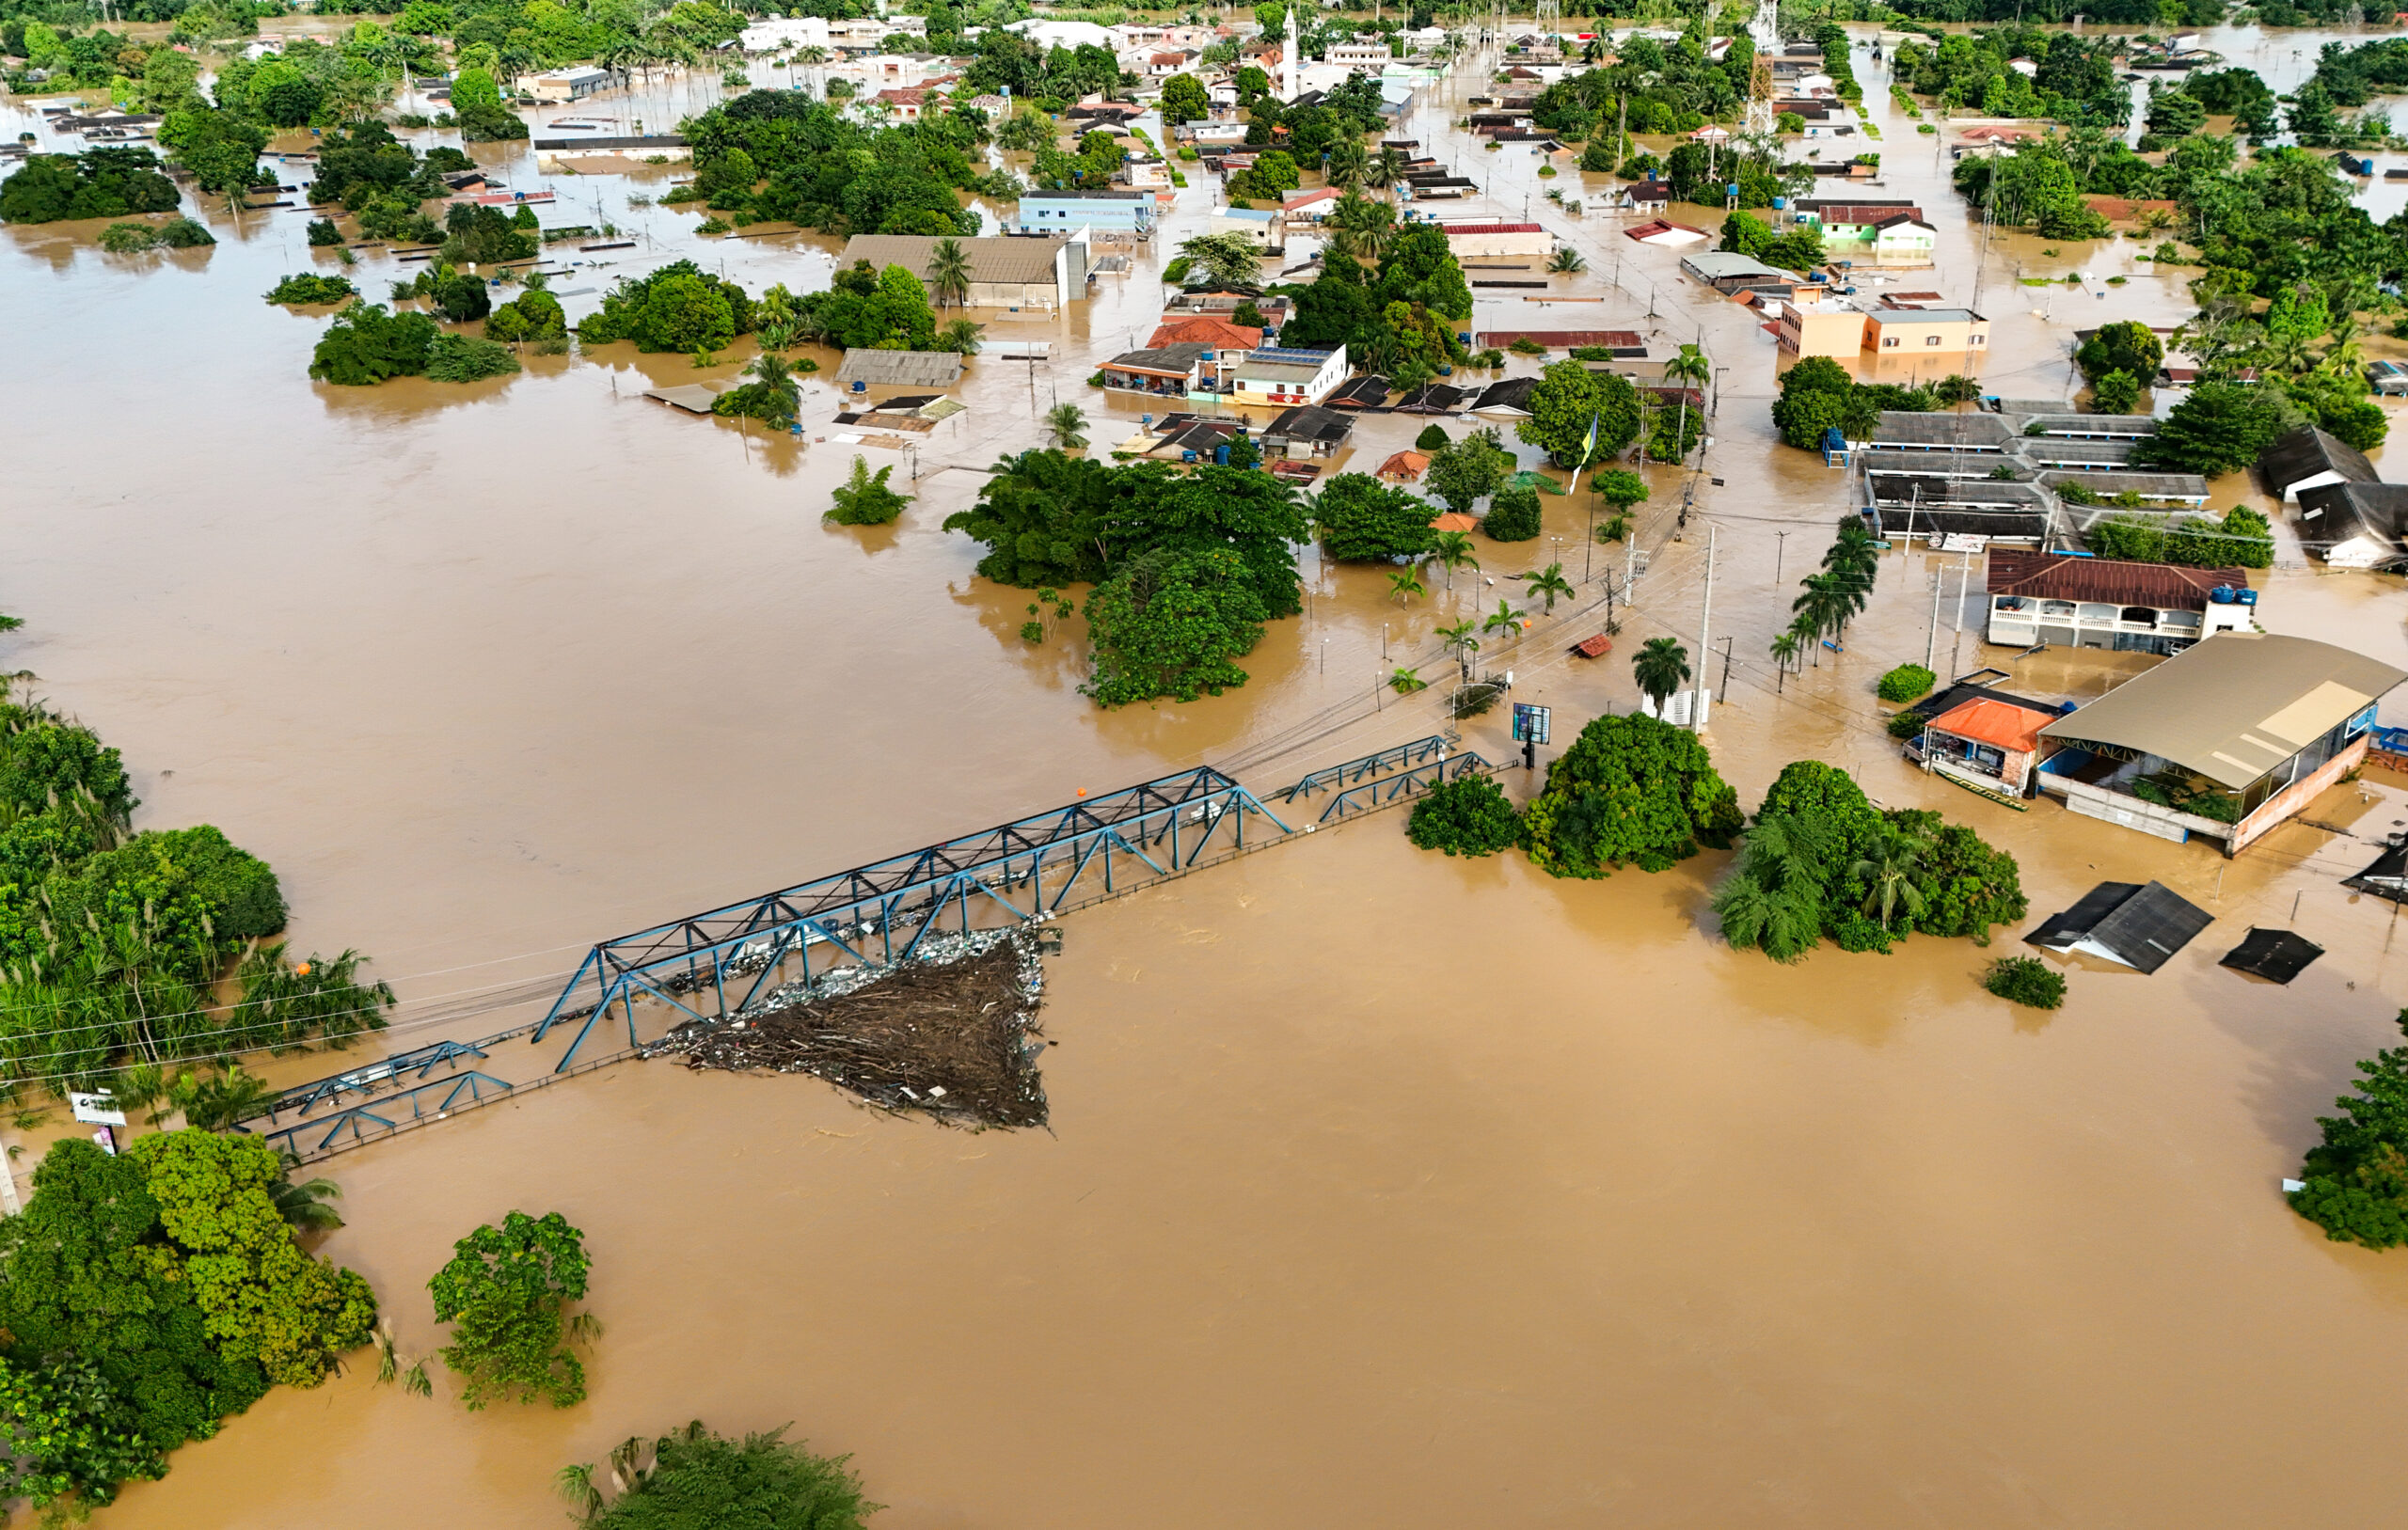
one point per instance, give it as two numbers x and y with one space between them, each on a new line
1822 327
1893 332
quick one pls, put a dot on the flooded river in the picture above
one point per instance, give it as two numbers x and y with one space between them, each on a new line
1382 1189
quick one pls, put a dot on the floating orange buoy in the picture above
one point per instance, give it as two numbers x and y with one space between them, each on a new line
302 971
1083 791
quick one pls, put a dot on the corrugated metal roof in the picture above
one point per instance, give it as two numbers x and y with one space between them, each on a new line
2113 581
900 368
990 259
2235 706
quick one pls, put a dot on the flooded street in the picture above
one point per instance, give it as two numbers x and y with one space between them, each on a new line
1382 1189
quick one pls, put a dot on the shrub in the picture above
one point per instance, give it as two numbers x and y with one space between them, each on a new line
529 316
1467 816
698 1480
465 358
864 499
366 344
2357 1177
306 288
1527 347
129 238
1906 724
1513 515
2026 981
1433 436
1488 361
1906 683
323 232
186 234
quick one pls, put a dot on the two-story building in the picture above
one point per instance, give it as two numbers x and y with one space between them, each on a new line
1173 370
1264 228
1490 241
1120 211
1285 377
2112 603
1927 332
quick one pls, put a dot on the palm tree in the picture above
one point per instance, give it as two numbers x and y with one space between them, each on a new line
1067 423
1888 873
1451 548
303 1206
948 272
1342 167
1780 923
1384 168
1662 666
810 57
576 1484
1567 262
1404 682
1786 649
1549 582
1691 368
777 379
1458 637
2290 354
1504 619
1405 586
962 337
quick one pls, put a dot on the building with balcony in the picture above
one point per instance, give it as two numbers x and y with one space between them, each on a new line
2112 603
1176 370
2222 742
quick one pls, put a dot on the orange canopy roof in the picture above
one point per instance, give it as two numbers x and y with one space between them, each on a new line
1999 723
1455 520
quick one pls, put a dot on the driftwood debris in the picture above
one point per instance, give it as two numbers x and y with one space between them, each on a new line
954 1034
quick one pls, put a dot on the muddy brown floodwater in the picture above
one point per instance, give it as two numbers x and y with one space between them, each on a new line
1382 1189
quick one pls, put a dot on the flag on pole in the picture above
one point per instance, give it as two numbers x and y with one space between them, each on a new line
1589 446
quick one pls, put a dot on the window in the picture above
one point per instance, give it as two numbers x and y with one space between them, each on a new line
1931 339
1979 338
1888 342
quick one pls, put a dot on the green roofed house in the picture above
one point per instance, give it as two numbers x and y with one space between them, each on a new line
2223 741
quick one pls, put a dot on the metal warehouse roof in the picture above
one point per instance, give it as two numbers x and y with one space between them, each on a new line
2235 706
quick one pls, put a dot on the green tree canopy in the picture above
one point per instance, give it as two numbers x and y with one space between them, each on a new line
2219 427
1363 520
677 308
1567 401
2126 346
1172 622
1630 790
506 1293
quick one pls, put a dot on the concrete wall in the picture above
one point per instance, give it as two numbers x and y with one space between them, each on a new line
2296 797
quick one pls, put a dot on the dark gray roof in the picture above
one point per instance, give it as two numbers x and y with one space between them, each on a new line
1182 357
2140 927
2118 427
1997 525
2185 486
2057 452
1961 493
1507 393
1940 464
2332 513
1309 423
2307 451
1964 433
2276 954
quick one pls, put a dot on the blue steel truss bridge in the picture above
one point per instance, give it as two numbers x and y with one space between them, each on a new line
713 964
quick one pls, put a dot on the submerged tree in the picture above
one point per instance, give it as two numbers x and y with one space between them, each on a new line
864 499
506 1292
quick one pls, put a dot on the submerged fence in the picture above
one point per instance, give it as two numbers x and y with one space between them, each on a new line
711 965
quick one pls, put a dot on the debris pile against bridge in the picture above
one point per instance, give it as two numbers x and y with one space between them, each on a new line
952 1032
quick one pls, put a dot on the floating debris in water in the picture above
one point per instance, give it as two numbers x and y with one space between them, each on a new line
953 1031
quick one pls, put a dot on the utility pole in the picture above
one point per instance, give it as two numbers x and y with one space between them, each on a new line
1780 552
1964 577
1704 626
1931 643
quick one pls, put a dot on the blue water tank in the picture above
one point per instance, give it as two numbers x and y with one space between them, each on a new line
1779 203
1732 188
2220 594
1221 455
861 387
2244 598
1446 372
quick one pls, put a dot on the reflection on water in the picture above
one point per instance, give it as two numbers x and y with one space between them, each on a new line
1385 1190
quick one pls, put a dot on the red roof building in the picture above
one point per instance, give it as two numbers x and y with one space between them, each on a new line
1206 329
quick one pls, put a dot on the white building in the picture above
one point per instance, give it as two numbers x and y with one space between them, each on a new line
779 33
1288 377
1265 228
1357 54
566 84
